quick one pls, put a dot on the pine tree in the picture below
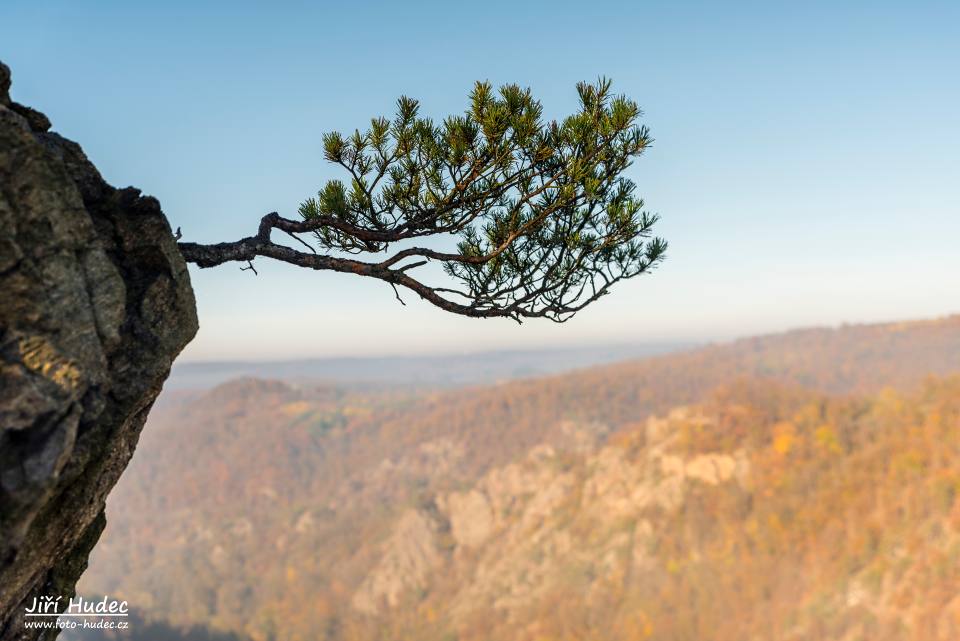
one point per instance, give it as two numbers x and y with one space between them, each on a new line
546 221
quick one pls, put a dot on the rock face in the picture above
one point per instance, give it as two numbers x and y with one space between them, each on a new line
95 303
408 557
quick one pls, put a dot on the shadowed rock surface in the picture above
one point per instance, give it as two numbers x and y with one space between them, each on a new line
95 303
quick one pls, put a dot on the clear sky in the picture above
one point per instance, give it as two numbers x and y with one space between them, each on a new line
806 161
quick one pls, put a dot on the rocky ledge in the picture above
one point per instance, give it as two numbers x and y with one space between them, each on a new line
95 303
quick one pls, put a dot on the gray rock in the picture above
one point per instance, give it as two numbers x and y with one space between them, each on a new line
95 303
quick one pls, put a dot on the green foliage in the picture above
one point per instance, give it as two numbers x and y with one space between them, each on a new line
545 220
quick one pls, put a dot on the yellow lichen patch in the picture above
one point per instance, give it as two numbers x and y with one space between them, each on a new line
40 357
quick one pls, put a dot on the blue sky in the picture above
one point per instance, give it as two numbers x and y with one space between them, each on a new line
805 163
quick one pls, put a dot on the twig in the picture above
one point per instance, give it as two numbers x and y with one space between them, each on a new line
302 242
419 263
250 268
397 294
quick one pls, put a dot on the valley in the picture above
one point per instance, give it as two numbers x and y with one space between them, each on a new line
796 486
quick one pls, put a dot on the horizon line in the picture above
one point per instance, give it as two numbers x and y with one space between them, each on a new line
675 342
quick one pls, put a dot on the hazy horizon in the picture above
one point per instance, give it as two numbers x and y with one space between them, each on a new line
444 350
449 369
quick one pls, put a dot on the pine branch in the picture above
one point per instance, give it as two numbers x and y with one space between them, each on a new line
545 219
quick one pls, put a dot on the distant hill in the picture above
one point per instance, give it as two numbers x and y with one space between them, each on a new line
796 486
448 370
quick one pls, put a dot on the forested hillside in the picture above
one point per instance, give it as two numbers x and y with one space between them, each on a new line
799 486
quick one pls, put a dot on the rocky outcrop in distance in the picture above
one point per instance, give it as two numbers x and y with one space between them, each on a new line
95 303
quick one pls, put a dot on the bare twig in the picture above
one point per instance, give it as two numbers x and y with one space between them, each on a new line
397 294
301 241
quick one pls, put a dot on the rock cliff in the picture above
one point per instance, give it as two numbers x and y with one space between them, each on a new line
95 303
